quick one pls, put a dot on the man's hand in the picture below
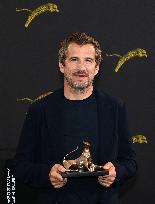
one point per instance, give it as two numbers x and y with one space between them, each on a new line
56 179
107 180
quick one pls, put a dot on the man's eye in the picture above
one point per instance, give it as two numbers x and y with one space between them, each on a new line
89 60
73 59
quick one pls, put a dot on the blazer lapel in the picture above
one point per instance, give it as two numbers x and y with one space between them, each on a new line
54 118
105 127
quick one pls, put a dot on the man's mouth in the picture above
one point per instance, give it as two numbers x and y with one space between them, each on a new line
80 74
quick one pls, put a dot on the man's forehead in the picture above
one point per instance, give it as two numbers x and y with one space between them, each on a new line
86 49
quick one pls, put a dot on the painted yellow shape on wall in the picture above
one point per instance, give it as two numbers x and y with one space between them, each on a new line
29 100
139 139
139 52
41 9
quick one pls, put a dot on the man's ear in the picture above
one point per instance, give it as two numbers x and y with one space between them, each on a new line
61 66
96 69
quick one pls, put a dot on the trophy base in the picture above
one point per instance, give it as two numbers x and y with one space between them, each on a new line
73 174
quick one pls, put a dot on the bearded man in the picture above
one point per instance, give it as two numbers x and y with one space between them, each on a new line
58 123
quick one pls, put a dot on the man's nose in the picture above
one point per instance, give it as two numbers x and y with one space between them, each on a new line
81 65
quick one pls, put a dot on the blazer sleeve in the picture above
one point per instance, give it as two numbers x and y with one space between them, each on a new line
126 165
25 166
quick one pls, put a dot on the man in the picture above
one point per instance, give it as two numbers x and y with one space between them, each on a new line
58 123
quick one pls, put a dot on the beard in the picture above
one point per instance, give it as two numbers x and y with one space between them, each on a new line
78 86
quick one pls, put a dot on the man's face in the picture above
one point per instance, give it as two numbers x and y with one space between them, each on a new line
79 67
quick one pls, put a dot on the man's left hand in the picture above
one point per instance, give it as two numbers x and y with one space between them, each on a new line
109 179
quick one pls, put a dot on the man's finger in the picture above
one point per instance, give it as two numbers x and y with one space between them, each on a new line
103 183
56 176
58 184
109 178
58 181
55 172
108 165
61 169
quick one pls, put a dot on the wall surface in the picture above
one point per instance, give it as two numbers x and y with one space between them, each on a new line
29 68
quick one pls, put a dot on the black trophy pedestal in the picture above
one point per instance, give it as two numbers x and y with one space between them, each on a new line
68 174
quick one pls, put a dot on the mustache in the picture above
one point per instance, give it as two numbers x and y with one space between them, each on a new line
79 72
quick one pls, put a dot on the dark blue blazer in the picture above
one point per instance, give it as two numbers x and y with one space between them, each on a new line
40 145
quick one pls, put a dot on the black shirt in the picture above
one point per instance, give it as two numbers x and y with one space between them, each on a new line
80 124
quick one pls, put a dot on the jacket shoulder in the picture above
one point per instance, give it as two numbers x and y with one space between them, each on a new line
47 99
109 99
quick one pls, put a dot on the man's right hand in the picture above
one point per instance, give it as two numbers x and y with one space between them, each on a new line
56 179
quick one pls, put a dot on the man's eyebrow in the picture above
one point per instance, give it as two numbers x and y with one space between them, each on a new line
73 57
90 58
86 58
